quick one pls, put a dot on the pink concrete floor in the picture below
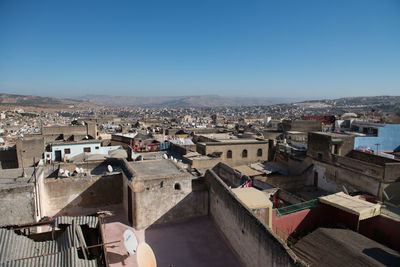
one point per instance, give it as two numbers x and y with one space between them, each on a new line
194 242
113 229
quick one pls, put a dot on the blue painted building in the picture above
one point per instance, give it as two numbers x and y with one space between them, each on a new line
62 151
386 135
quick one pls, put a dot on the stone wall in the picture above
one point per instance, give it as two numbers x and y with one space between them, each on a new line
255 244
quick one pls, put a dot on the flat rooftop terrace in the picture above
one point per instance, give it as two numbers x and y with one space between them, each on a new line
155 168
193 242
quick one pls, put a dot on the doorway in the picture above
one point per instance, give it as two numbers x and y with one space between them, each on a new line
58 155
130 217
316 179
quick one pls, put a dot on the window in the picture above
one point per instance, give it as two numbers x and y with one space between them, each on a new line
67 151
229 154
86 149
177 186
97 147
259 152
319 156
244 153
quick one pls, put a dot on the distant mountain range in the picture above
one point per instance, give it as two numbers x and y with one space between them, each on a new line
186 101
37 101
189 101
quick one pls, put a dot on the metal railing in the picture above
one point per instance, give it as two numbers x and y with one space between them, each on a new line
296 207
290 240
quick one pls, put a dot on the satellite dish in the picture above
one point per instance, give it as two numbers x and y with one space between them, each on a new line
171 157
145 256
165 156
61 171
175 160
110 168
130 242
77 170
67 173
82 170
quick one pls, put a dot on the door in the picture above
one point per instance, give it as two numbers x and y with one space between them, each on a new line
58 155
316 179
130 219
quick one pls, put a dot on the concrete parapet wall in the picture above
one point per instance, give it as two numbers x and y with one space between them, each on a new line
80 195
255 244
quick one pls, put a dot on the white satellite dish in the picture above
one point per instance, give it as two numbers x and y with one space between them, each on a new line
165 156
130 242
61 171
110 168
77 170
175 160
171 157
82 170
67 173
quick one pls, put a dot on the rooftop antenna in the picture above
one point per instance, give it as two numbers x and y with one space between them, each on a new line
386 195
345 190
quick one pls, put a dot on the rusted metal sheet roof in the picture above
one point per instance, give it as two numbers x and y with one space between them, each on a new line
19 250
91 221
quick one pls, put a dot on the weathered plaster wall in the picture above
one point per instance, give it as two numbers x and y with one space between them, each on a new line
331 178
80 195
154 198
255 244
237 149
17 204
29 150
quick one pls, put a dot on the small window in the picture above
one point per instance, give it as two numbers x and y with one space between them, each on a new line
97 147
67 151
319 156
259 152
177 186
229 154
244 153
86 149
161 184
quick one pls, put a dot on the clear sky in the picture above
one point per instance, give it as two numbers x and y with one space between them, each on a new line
312 49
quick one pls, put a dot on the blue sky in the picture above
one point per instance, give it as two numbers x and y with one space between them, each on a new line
311 49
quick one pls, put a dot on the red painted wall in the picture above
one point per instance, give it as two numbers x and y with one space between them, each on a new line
309 219
379 228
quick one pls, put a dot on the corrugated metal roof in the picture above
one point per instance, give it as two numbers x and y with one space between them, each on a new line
18 250
91 221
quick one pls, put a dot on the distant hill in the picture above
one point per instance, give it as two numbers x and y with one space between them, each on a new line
186 101
37 101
